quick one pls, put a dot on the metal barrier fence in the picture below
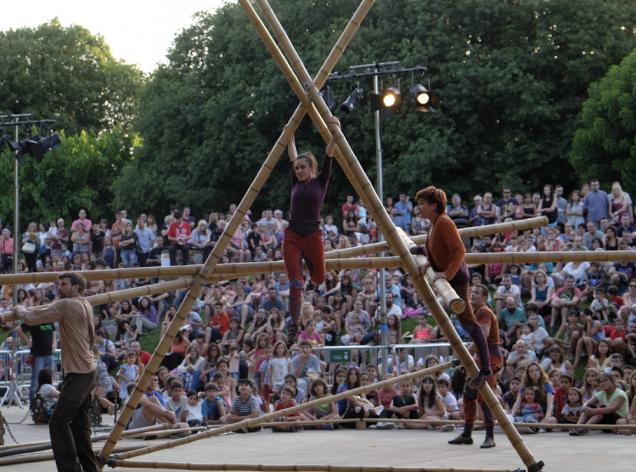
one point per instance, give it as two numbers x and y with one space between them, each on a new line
362 355
15 375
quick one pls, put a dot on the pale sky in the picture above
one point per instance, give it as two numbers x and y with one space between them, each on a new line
137 31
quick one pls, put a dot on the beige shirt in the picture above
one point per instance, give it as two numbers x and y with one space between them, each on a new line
77 334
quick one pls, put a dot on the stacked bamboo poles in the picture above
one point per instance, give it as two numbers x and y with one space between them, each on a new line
443 288
120 295
48 456
27 448
363 186
473 232
234 270
289 468
259 421
232 226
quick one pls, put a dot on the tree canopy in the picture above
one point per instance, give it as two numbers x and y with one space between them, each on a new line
511 77
604 145
68 74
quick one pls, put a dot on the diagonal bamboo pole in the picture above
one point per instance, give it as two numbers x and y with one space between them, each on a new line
232 226
474 232
359 179
442 287
253 422
120 295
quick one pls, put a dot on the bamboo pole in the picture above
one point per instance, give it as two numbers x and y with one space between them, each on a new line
223 271
521 424
48 456
472 232
443 288
255 422
363 186
550 256
229 271
232 226
274 424
26 448
120 295
288 468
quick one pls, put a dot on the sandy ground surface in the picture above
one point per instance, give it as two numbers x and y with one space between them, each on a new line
398 448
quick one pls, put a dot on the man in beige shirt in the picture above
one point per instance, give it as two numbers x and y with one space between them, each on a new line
69 425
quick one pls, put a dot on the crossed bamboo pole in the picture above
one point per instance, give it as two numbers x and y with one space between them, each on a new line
363 186
230 229
472 232
259 421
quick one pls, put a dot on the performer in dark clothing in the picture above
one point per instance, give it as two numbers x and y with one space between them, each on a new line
303 238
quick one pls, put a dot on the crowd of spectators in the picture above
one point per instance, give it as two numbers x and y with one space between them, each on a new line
565 327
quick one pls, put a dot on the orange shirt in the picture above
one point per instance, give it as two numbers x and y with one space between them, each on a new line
444 247
485 314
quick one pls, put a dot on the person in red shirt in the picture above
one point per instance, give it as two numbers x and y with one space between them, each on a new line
179 234
217 326
561 395
286 401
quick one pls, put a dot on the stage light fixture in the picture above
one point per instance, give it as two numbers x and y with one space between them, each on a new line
328 98
352 100
421 98
391 98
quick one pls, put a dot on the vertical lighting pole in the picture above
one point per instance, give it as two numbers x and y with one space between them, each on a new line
16 214
379 188
375 71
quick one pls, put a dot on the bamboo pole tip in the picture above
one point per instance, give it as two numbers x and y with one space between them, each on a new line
457 306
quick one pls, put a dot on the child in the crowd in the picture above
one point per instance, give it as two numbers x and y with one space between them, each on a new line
286 401
213 406
105 383
405 404
194 417
278 366
234 362
572 410
450 402
47 392
431 403
510 397
560 394
178 403
600 306
530 410
128 374
328 410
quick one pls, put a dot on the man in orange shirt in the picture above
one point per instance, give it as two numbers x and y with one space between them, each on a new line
488 323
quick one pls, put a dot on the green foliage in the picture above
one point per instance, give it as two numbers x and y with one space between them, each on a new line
68 74
77 174
511 76
604 145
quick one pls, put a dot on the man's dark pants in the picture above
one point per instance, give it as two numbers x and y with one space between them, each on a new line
70 426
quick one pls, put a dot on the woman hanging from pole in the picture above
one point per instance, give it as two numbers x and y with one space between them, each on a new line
445 252
303 238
